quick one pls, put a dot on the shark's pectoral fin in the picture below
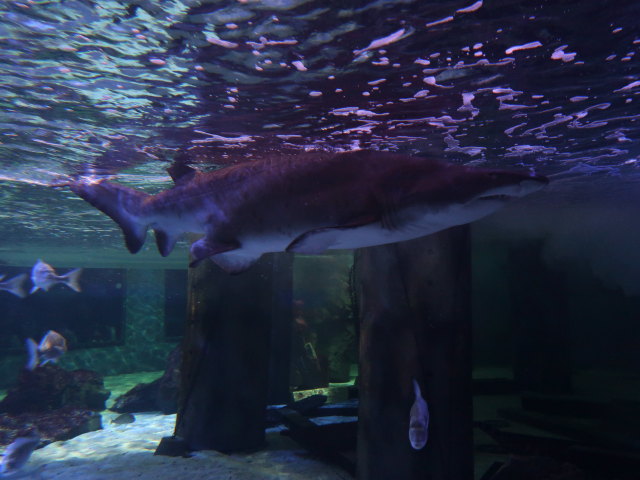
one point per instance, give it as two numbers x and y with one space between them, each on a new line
165 241
315 241
207 247
319 240
234 263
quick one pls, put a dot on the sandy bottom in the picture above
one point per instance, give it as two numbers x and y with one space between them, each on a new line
126 452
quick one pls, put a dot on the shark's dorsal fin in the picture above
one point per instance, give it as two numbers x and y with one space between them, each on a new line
181 173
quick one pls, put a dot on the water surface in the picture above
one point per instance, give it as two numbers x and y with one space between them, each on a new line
124 88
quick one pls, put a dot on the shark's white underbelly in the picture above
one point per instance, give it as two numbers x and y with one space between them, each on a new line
310 238
414 223
410 223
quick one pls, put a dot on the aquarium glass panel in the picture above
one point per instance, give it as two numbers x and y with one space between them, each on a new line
93 317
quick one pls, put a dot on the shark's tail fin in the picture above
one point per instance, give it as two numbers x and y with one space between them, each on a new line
72 279
15 285
120 203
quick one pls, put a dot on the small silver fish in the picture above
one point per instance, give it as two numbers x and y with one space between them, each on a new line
418 420
18 452
44 277
14 285
51 348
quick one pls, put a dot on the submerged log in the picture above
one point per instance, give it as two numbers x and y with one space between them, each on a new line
333 442
592 432
414 307
567 405
226 355
601 463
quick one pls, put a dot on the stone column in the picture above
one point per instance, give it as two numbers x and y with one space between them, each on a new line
415 321
226 357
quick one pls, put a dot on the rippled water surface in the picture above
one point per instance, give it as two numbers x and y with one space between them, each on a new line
123 88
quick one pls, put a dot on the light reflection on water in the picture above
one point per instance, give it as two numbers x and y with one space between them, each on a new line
117 89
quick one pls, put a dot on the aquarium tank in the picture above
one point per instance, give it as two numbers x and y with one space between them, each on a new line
285 239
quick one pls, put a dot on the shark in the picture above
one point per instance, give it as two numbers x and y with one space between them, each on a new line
306 203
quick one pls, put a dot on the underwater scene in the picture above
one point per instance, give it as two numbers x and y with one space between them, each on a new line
293 239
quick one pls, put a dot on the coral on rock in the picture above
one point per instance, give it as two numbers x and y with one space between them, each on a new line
61 424
60 404
51 387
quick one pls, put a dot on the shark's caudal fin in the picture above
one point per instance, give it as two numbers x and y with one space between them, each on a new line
72 279
15 285
120 203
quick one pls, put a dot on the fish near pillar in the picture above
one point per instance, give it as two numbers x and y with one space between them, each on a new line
415 324
226 356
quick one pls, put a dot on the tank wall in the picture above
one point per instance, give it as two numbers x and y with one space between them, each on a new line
601 318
